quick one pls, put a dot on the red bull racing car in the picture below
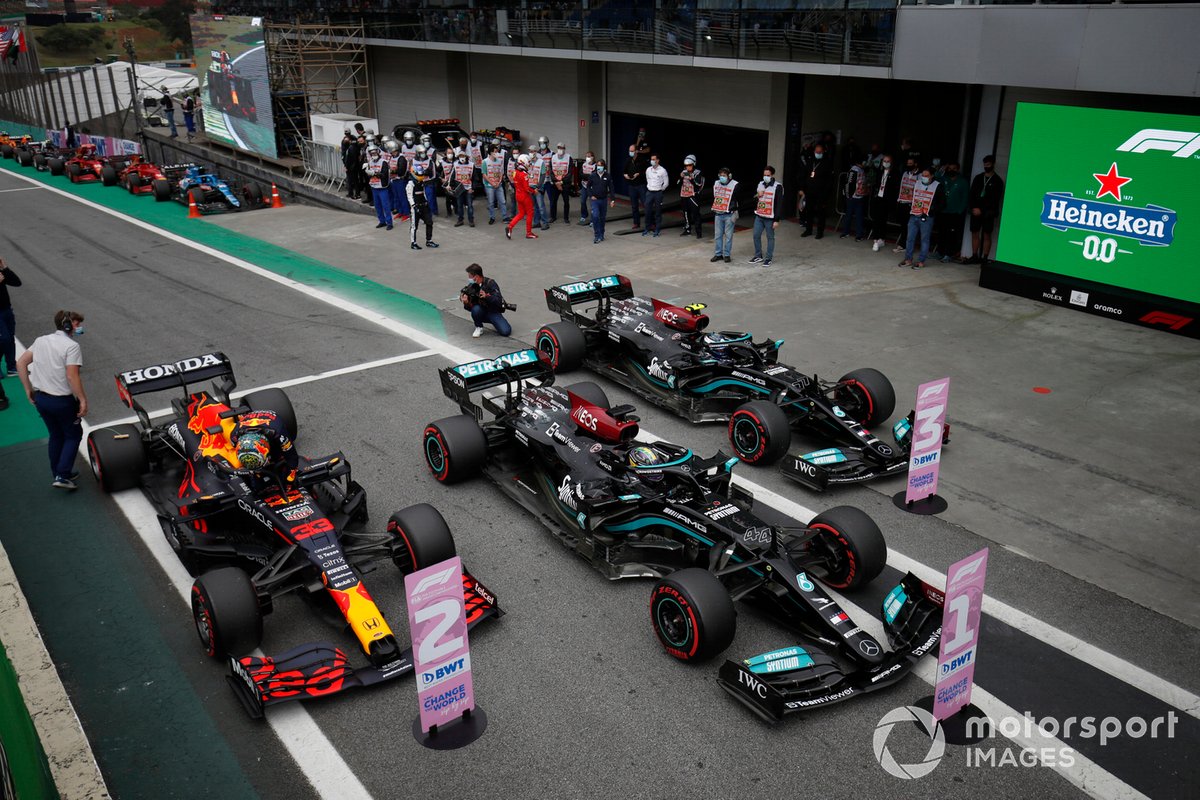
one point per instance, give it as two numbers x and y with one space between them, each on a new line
253 536
666 354
635 508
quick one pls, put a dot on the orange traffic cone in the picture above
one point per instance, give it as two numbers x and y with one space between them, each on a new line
275 201
193 211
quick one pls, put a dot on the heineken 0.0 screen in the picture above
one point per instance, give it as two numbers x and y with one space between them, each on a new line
1105 196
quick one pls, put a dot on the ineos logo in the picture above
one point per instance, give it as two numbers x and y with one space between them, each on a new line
586 418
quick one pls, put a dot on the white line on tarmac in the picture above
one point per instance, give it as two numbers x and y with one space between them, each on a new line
1119 668
21 189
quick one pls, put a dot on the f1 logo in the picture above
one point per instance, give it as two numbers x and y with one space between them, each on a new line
1173 321
1181 144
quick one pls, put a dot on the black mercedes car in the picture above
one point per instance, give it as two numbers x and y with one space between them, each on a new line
632 507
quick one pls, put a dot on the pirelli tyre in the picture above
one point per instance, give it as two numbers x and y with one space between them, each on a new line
455 448
692 615
275 400
226 612
118 456
74 171
108 175
254 195
133 182
421 538
7 151
866 395
162 190
760 432
25 158
562 344
40 162
591 392
851 544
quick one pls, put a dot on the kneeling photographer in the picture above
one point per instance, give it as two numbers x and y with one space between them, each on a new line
483 299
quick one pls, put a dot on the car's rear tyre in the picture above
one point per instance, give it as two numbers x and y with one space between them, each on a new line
866 395
108 175
118 456
455 448
692 615
562 344
854 543
162 190
25 158
421 538
226 612
7 151
759 432
39 161
275 400
254 195
591 392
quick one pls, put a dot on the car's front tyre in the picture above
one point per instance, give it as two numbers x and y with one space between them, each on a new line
693 615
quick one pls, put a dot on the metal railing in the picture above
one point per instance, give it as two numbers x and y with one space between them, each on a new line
323 166
826 31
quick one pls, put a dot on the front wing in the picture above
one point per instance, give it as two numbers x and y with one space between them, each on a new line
778 683
838 465
321 669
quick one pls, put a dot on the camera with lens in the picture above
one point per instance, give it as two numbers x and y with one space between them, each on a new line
472 290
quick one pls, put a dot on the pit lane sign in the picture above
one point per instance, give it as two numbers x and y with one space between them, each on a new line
925 454
441 655
960 635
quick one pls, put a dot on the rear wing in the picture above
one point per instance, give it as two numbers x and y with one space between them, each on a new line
562 299
460 381
179 374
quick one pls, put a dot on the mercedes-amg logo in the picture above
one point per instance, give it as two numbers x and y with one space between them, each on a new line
868 648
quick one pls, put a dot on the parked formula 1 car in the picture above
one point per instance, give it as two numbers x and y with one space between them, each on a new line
185 183
37 154
138 176
666 354
253 536
85 166
637 509
9 145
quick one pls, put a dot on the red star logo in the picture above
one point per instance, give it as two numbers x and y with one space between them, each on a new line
1110 182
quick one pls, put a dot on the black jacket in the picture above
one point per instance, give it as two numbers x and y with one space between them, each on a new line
10 279
987 193
495 300
817 179
637 164
600 187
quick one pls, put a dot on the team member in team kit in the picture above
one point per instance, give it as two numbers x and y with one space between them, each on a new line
600 195
492 171
656 183
724 209
883 200
560 185
927 200
462 187
691 184
586 168
378 170
768 210
418 201
986 196
524 192
635 176
818 185
855 192
49 371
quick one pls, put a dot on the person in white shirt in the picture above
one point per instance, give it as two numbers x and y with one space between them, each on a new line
49 371
656 182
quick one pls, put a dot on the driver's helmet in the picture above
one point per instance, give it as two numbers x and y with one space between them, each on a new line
254 450
643 456
718 345
88 150
419 172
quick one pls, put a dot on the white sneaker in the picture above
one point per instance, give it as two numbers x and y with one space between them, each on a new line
878 244
478 332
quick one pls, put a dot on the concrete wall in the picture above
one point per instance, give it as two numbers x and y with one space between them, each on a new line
1138 48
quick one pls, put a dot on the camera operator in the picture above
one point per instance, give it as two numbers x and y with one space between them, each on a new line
483 299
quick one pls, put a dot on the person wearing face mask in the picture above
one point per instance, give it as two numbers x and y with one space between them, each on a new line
546 184
904 199
855 192
600 195
950 221
768 210
475 150
536 180
635 176
493 171
725 213
524 191
883 200
50 372
987 193
511 154
656 182
445 172
560 182
463 177
691 184
586 168
815 192
928 197
379 177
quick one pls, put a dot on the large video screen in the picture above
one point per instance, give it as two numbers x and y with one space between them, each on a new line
1105 196
231 65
